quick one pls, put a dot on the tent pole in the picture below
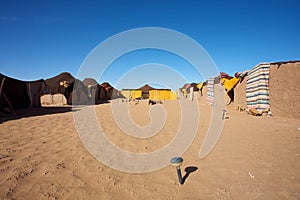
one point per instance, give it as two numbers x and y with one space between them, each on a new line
1 86
29 94
9 104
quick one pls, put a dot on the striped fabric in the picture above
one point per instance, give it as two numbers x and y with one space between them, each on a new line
257 89
210 91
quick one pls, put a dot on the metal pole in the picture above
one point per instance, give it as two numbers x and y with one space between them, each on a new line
179 175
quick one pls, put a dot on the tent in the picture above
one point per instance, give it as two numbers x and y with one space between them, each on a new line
145 91
194 85
131 93
108 92
229 84
210 91
281 89
89 81
73 89
94 89
257 89
101 92
17 94
162 94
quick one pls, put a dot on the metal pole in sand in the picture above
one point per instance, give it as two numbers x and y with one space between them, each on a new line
224 112
177 162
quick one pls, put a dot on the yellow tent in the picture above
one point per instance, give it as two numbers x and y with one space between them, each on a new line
162 94
131 93
200 86
229 84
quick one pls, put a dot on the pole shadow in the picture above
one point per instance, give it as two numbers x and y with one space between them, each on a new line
188 171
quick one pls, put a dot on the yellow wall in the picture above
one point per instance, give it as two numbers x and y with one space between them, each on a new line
172 96
132 94
161 95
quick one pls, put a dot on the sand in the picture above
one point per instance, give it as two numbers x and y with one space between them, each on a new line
42 157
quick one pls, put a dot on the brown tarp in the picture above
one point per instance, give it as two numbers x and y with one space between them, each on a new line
89 81
19 94
109 92
73 89
100 92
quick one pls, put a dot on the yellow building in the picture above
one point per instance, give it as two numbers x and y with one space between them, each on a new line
162 94
131 93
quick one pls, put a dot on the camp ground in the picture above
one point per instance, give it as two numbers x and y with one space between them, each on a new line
263 89
42 154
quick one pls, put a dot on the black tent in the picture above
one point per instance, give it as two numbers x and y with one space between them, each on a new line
69 86
17 94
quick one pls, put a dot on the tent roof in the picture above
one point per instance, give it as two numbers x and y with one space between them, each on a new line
106 85
17 80
162 89
89 81
65 76
187 85
146 88
285 62
130 89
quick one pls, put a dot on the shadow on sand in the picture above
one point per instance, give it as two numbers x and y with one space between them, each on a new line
31 112
188 171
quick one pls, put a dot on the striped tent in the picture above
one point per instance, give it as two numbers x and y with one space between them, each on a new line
210 91
257 88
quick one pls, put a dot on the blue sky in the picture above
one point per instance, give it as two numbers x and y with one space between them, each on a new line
40 39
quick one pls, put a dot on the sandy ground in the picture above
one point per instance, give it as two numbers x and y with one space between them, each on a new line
42 157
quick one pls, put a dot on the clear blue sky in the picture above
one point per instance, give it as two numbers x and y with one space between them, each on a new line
40 39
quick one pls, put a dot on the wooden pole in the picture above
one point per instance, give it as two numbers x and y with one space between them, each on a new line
9 104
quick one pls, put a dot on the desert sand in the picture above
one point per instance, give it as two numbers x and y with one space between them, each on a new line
42 157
